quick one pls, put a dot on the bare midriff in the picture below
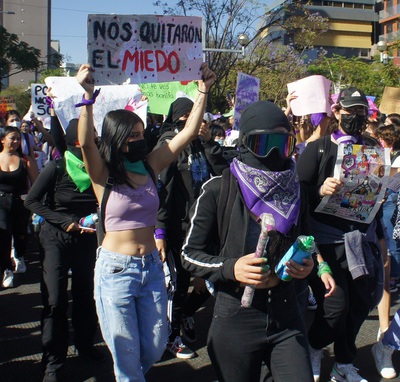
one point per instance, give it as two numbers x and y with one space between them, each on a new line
132 242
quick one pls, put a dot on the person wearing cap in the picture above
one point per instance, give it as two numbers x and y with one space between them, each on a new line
261 179
179 187
339 318
65 245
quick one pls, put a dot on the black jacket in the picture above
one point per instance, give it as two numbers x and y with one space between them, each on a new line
223 224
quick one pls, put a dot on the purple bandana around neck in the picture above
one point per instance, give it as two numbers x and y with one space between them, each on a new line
277 193
341 137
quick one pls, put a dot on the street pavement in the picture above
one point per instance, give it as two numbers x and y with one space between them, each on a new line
20 349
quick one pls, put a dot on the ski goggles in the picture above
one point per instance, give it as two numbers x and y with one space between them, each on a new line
261 143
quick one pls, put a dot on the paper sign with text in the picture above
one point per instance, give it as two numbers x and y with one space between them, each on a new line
68 92
38 101
139 49
247 92
6 103
390 101
162 95
312 95
364 173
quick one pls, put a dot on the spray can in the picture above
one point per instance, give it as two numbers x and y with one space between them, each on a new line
301 249
89 221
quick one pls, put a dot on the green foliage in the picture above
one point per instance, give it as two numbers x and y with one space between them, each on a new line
58 72
16 55
21 95
369 76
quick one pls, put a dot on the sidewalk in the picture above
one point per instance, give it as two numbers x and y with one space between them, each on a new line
20 349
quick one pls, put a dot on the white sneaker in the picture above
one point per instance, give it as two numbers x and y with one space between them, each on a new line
383 360
8 279
345 372
179 349
20 266
316 356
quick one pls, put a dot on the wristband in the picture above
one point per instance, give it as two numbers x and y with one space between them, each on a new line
202 92
49 102
323 267
86 102
297 131
160 233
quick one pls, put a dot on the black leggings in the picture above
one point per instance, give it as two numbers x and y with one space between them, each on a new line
13 223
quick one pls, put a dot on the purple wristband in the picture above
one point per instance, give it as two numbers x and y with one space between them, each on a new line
49 102
160 233
86 102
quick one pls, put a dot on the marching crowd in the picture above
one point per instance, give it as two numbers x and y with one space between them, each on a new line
187 199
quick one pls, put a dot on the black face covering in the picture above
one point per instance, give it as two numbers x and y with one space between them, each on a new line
180 125
272 162
137 150
352 124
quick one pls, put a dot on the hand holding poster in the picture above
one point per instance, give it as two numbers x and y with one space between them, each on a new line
364 173
312 95
144 48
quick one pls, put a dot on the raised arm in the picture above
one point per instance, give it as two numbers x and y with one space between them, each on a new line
160 158
94 164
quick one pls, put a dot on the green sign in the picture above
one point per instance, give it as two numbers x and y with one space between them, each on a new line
161 95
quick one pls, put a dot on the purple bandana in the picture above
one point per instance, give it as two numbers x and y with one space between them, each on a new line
341 137
277 193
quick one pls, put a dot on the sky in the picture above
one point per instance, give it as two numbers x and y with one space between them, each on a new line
69 21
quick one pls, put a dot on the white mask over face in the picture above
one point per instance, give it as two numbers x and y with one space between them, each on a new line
15 124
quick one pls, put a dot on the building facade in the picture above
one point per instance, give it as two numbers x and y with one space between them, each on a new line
353 27
389 19
30 20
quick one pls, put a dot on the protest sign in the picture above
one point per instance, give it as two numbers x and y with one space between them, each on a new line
162 95
364 173
6 103
247 92
68 92
390 101
139 49
312 95
38 100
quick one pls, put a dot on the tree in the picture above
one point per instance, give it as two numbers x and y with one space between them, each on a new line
16 55
274 63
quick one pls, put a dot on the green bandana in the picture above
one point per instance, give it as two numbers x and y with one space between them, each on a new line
137 167
76 170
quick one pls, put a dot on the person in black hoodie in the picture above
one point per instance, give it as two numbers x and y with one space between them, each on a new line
179 186
261 179
65 245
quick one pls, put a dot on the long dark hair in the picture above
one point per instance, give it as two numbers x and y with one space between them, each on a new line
8 130
117 126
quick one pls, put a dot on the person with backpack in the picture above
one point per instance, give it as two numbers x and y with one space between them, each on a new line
339 318
261 179
63 195
130 291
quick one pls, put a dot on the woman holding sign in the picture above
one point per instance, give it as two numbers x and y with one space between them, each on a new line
130 292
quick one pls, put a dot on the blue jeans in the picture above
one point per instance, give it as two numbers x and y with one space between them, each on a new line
392 335
388 210
131 302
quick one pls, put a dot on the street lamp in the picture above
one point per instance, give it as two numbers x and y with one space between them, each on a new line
384 57
243 40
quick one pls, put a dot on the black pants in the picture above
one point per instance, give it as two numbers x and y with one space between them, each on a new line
13 223
61 251
272 331
182 303
338 318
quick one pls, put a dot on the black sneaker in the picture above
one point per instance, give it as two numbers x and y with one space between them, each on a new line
188 332
179 349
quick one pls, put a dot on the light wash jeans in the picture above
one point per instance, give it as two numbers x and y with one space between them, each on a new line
388 210
131 302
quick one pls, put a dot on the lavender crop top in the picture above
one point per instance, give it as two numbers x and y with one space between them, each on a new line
131 208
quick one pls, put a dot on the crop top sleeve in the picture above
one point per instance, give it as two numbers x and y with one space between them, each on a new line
131 208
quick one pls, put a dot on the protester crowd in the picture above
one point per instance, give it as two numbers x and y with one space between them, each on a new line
189 198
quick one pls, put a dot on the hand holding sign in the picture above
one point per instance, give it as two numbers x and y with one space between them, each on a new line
207 78
85 79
